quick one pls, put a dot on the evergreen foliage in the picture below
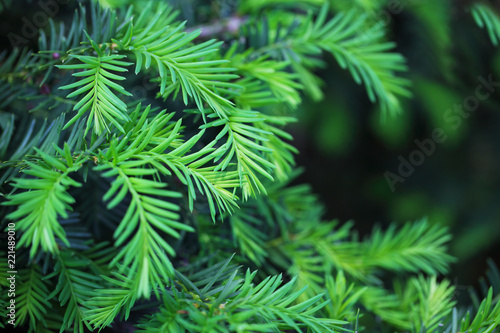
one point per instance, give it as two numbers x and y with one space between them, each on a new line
177 212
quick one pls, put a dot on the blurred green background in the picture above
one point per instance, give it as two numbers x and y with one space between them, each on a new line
346 146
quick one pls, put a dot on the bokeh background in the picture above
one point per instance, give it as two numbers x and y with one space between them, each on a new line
346 144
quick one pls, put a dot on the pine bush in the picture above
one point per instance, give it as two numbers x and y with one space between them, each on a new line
147 177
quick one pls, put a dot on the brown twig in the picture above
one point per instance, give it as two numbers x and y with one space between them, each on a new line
230 25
